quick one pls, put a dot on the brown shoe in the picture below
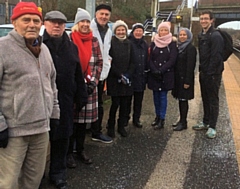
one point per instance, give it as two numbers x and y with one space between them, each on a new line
84 158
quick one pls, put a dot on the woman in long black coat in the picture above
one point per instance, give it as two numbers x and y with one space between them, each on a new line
140 58
184 76
119 78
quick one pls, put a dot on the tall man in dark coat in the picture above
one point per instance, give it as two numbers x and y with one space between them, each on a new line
71 89
211 66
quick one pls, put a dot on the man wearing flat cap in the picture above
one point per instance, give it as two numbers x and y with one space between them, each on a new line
28 99
71 91
102 32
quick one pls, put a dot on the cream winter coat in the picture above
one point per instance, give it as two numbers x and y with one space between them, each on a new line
104 47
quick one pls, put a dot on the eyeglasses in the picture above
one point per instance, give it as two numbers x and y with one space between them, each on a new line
205 18
59 22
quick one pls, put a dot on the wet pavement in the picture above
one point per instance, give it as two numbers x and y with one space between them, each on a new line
163 159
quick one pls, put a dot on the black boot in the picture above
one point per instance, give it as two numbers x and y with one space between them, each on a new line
156 121
160 124
111 132
122 131
180 127
137 123
176 124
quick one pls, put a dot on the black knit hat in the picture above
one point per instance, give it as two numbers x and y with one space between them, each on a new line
137 25
103 6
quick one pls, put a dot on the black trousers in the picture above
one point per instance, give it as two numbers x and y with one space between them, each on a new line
58 155
79 135
210 97
137 105
123 103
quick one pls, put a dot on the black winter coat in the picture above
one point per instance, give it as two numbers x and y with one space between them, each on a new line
210 46
140 58
69 80
184 73
122 63
162 60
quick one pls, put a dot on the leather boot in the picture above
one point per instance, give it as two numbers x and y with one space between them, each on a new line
176 124
84 158
111 132
122 131
160 124
156 121
180 127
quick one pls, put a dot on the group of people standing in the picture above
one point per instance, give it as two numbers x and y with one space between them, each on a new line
56 82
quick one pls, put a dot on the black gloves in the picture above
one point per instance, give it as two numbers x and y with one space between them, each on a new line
90 87
54 124
4 138
157 75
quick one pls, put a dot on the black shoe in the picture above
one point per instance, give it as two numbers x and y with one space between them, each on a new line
60 184
122 132
71 163
125 124
160 125
176 124
156 121
137 124
111 133
180 127
84 158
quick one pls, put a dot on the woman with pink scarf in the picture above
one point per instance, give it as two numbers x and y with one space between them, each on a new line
163 55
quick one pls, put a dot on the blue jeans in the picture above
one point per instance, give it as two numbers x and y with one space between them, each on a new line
160 103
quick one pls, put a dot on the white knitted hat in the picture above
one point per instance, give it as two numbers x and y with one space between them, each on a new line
119 23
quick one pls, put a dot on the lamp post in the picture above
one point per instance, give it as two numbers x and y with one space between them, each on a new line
191 15
7 12
90 7
154 9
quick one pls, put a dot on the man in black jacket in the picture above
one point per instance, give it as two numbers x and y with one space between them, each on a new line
211 68
71 92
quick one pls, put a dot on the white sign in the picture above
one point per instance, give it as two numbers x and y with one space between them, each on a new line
195 18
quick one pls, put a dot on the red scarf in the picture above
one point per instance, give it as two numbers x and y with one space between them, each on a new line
84 44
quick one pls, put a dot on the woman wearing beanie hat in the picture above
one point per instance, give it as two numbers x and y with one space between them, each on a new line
184 75
91 62
140 58
163 55
117 24
119 79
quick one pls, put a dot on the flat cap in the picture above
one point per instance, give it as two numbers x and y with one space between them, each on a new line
103 6
55 15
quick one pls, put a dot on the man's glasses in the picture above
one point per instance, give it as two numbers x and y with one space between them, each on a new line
205 18
59 22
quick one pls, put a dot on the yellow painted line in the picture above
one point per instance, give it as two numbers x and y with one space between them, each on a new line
231 79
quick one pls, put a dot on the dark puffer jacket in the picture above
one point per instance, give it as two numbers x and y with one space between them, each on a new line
184 73
140 58
162 60
122 63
